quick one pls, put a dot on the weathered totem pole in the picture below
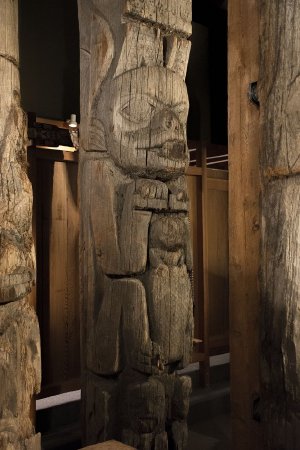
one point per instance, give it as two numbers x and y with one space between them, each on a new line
19 331
279 95
137 322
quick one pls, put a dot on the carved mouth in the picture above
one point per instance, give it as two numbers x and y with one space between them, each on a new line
173 150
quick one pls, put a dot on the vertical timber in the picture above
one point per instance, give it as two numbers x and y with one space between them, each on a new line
137 320
244 222
19 332
280 165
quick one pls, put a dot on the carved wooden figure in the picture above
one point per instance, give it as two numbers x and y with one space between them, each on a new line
135 244
19 332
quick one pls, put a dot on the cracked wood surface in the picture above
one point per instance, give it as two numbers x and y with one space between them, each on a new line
19 332
137 316
279 94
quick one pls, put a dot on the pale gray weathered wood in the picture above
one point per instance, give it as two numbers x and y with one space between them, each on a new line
19 332
280 124
137 311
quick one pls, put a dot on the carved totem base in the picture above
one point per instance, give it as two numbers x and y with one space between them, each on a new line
143 412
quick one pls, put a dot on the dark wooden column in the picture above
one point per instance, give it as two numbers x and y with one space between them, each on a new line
244 222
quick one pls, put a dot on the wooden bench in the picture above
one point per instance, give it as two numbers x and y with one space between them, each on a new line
109 445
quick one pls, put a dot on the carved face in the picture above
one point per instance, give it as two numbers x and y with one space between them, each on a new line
16 256
145 407
146 124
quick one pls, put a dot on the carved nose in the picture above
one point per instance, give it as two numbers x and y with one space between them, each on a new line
170 122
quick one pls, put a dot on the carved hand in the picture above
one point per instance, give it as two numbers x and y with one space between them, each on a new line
150 195
178 198
150 359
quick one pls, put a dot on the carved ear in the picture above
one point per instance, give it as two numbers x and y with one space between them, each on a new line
102 52
97 140
146 46
177 54
143 46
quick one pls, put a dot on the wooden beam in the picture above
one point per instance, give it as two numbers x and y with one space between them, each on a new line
244 222
205 364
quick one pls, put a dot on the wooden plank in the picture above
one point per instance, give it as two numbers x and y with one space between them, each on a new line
58 279
218 259
206 287
217 216
217 184
72 318
54 155
195 214
194 171
244 222
211 173
58 123
58 267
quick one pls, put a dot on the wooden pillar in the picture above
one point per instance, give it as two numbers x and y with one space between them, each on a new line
279 93
19 332
137 322
244 223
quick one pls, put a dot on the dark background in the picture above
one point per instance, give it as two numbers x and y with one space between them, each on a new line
49 63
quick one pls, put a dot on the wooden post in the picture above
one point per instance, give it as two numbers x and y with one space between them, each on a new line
205 369
279 95
19 332
244 223
137 321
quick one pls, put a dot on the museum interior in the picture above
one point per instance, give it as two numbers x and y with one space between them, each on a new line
50 94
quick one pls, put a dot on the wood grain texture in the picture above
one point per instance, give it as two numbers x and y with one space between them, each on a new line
244 222
217 237
57 267
19 332
195 214
170 14
280 124
20 374
137 319
218 260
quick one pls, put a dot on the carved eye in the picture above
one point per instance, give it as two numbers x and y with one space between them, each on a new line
181 110
138 109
